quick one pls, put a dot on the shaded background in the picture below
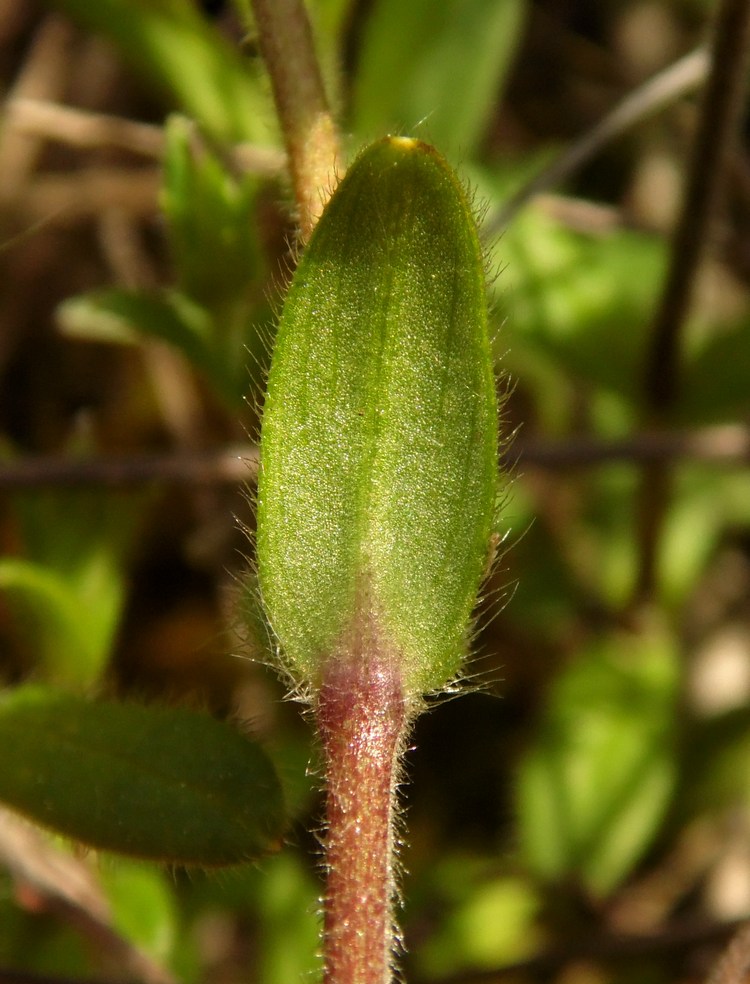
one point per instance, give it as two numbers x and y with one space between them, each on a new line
582 815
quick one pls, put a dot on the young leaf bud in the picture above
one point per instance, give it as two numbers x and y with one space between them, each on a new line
379 438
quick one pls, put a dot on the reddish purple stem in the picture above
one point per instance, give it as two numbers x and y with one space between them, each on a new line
362 717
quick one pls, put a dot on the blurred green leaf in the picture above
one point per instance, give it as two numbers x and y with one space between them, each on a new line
143 906
210 215
584 301
490 919
214 240
706 503
40 947
283 899
213 318
157 783
79 533
117 315
715 764
440 65
56 626
692 529
171 44
594 786
67 591
291 931
602 542
714 386
545 594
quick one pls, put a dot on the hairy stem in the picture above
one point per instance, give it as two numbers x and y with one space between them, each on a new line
310 135
362 717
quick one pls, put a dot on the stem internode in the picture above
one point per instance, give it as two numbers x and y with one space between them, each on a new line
363 720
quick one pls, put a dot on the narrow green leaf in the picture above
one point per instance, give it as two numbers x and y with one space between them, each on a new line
379 437
155 783
116 315
124 317
210 220
437 64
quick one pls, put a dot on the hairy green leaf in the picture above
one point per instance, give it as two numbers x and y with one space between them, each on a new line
157 783
379 437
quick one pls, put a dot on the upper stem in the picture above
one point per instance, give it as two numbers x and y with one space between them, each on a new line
310 135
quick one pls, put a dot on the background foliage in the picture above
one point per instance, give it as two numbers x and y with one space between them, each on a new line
584 816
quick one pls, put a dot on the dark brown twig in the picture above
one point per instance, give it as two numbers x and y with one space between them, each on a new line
9 976
728 446
717 130
128 471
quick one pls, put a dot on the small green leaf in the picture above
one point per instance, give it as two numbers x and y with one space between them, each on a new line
378 480
437 64
209 212
595 785
66 593
490 918
715 773
51 618
155 783
143 906
212 317
115 315
124 317
582 300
